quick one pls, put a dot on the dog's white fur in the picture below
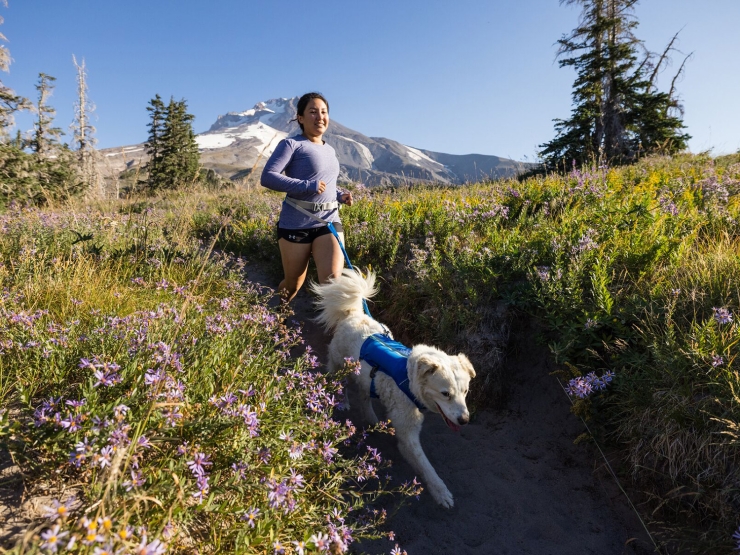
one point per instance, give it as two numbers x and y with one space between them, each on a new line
437 380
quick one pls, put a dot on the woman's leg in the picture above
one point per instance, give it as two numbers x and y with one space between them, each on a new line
295 265
328 257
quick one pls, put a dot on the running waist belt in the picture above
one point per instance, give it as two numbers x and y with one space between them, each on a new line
313 206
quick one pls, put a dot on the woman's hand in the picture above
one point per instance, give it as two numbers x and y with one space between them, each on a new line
346 198
322 187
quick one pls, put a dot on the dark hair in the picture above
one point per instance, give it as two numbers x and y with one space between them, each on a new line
303 102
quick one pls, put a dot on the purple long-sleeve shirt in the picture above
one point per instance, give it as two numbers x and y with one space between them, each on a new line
295 168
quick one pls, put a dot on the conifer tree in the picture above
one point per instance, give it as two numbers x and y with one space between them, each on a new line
180 153
153 146
45 137
618 114
172 149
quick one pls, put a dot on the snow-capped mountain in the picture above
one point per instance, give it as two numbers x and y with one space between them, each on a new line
239 142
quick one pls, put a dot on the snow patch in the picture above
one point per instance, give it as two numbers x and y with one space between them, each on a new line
268 137
364 151
214 140
418 156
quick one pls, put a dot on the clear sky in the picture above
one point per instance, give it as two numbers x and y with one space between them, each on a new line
454 76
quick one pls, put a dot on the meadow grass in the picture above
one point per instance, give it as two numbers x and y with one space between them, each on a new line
631 271
150 388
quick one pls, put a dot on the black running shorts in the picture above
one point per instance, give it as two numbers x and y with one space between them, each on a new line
306 235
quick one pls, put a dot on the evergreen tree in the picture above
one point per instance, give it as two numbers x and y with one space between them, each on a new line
180 153
45 137
173 152
153 146
617 114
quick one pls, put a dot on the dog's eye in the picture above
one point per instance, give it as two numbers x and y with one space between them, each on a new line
446 393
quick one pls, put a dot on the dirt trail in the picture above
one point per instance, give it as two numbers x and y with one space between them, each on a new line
520 484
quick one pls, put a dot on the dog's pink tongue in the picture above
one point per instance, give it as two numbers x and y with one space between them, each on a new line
451 425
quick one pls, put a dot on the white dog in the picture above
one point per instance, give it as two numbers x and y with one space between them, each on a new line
436 380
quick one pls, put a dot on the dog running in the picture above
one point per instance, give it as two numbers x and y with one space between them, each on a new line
431 378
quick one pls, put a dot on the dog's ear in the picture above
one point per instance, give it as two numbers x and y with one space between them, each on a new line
427 366
466 365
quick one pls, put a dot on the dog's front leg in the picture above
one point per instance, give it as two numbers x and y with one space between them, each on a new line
408 427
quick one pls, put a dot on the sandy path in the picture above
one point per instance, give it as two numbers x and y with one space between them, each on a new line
520 484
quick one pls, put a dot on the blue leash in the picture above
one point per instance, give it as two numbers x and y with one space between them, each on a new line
330 225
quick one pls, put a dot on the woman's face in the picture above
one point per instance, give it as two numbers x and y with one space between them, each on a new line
315 119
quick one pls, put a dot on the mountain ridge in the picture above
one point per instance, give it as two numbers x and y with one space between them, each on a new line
239 142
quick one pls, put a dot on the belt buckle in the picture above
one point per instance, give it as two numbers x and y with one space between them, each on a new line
316 207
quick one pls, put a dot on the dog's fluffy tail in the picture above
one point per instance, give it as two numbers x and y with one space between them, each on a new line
342 297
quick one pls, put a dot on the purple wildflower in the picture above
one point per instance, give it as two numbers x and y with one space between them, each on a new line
320 541
722 315
137 480
203 488
52 537
120 411
156 547
582 387
103 459
295 451
143 442
59 509
717 360
108 379
72 423
327 451
240 470
250 517
198 464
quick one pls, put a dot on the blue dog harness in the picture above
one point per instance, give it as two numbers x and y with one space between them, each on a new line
391 358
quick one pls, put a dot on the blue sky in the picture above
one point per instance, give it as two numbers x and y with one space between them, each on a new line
466 76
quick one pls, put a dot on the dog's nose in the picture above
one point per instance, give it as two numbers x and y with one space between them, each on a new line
464 419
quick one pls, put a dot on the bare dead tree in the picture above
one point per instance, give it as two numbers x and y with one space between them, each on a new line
83 133
664 58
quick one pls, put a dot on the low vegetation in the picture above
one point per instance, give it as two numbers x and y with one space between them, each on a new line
151 385
632 272
151 389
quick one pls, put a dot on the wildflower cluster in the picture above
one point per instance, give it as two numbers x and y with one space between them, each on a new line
583 386
176 409
99 535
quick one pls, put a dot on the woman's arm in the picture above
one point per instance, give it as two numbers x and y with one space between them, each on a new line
272 174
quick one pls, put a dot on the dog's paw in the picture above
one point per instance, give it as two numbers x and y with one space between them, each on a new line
443 497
